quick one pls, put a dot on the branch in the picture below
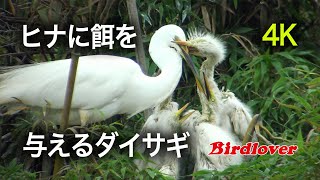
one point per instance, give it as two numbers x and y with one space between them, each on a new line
58 164
140 53
69 91
134 20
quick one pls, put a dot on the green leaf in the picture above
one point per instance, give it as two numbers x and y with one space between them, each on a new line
314 83
178 5
279 85
243 30
160 9
277 65
256 79
151 173
288 56
301 101
115 173
123 171
43 15
202 172
291 107
184 15
300 141
83 11
267 104
145 17
235 3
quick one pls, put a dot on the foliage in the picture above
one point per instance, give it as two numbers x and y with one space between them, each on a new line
280 83
15 171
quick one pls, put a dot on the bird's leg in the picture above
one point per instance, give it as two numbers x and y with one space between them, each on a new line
248 135
260 125
255 126
260 136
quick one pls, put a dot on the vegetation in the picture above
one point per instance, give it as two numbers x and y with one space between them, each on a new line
281 83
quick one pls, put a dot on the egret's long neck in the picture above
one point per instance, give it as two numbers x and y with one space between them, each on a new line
207 69
209 108
163 85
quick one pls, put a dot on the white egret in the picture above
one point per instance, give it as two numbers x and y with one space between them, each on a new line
202 134
163 120
105 85
229 112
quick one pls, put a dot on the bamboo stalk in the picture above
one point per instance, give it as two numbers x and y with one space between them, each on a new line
134 20
69 91
140 53
67 106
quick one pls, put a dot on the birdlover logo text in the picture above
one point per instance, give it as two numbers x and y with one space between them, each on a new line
251 148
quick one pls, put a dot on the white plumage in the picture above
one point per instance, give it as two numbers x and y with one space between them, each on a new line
235 115
222 108
224 117
105 85
163 120
202 134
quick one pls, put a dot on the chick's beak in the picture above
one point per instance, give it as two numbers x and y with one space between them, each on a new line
186 116
180 111
182 118
185 45
188 47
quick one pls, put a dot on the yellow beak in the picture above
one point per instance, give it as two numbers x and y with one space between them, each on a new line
185 117
200 84
179 112
182 43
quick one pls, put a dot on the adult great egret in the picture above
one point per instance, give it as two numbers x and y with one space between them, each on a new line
229 112
105 85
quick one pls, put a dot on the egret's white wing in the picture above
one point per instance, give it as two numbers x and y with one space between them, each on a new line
34 85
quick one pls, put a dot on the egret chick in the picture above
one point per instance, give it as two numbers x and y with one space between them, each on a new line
230 113
105 85
202 134
163 120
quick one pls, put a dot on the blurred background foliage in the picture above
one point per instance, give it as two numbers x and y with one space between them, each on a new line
280 83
